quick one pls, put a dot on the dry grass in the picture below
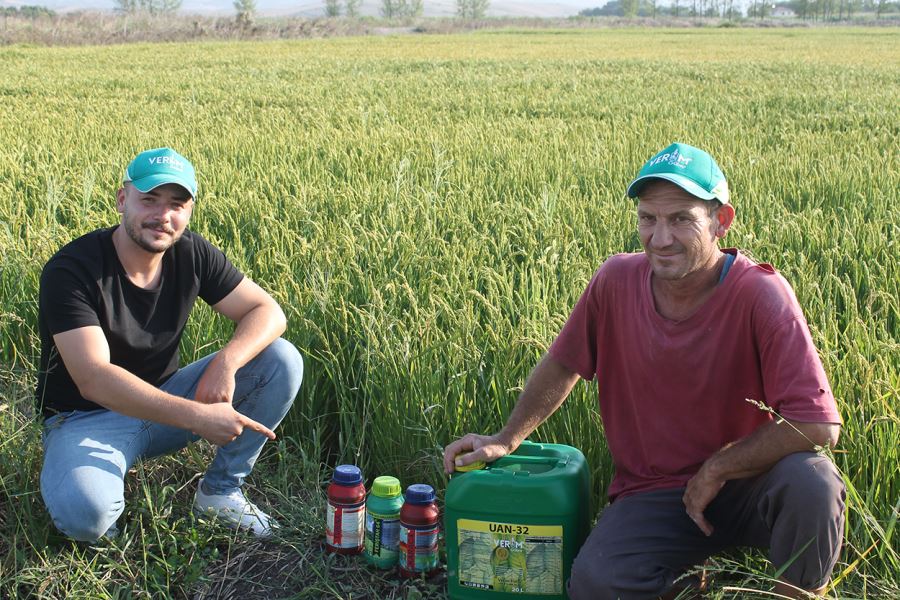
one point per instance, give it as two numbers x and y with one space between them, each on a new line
98 28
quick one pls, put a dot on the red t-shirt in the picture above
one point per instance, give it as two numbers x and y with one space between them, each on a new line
674 392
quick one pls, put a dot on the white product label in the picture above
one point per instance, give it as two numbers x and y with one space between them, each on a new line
345 526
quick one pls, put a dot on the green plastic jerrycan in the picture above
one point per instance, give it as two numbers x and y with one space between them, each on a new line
514 528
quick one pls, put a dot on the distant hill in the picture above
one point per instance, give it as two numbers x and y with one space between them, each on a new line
315 8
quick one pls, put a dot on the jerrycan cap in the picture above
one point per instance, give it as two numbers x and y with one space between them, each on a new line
420 493
475 466
347 475
386 487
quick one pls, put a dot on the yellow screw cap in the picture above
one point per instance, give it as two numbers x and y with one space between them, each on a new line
475 466
386 487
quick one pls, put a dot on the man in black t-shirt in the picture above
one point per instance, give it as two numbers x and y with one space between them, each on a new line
113 306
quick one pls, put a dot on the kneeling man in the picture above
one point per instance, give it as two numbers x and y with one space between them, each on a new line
679 337
113 306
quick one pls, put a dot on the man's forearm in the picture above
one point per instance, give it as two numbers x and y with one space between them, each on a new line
118 390
751 456
760 450
256 330
114 388
546 389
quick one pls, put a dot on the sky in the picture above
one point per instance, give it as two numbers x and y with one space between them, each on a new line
315 8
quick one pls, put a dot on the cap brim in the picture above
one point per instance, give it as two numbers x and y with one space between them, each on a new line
151 182
683 182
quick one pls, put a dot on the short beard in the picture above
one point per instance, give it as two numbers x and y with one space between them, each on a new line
135 235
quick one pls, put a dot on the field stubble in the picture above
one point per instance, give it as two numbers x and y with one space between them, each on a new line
427 210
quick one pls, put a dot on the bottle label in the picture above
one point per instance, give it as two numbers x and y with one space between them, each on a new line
345 525
510 557
382 535
418 547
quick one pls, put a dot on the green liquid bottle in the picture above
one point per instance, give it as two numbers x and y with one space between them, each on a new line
383 522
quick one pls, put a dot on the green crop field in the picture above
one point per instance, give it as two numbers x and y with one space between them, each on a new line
427 209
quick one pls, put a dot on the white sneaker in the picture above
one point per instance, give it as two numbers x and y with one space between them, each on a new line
235 511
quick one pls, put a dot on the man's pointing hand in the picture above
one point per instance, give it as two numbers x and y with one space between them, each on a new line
221 424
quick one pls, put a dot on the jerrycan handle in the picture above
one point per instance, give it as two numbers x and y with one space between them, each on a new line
529 449
524 458
512 459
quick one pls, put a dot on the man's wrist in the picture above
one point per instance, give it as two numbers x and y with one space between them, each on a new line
225 361
711 470
508 440
192 414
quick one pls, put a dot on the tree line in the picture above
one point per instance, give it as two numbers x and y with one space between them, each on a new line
246 9
27 11
831 9
652 8
394 9
153 7
728 9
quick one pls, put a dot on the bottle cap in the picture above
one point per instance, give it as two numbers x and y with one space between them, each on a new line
419 493
475 466
347 475
386 487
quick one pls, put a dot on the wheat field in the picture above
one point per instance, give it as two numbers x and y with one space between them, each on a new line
427 209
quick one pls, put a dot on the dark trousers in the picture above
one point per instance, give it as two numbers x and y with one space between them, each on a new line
643 543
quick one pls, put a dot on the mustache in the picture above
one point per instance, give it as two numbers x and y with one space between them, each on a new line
157 225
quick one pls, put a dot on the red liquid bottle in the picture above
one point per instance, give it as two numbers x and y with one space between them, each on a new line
345 523
418 531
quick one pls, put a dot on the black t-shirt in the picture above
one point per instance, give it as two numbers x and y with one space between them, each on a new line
84 284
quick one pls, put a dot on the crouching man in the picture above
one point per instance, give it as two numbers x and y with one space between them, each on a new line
113 306
679 337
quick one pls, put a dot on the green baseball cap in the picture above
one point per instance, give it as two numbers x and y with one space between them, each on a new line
153 168
690 168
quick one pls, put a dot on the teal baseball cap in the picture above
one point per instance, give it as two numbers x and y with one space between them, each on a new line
690 168
159 166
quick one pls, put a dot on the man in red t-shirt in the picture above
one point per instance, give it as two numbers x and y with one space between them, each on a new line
693 349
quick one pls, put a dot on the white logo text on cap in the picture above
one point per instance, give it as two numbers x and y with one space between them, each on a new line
167 160
675 158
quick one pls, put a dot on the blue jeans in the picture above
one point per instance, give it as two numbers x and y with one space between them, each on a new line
87 453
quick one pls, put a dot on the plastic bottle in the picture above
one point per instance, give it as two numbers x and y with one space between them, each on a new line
419 531
383 522
345 523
